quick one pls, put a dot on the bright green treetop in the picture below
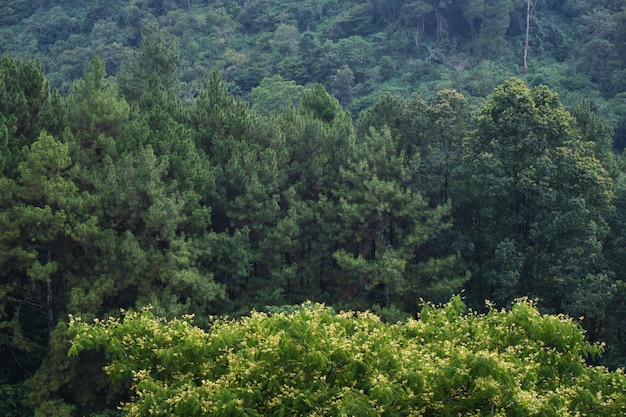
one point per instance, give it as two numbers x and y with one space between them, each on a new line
312 361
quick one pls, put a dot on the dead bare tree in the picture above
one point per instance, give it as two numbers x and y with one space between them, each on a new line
529 11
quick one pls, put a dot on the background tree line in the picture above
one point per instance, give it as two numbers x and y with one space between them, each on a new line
359 50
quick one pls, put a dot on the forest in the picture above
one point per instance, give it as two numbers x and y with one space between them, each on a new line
312 177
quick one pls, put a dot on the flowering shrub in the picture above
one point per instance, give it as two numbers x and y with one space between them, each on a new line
315 362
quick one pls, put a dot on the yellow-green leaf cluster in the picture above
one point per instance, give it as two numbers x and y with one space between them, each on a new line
313 361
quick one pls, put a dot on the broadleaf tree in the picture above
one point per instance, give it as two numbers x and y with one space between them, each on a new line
535 200
310 360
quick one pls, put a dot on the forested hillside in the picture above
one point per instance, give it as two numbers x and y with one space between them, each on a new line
359 49
211 159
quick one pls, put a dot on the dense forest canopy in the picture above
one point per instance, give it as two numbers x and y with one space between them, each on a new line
359 50
211 158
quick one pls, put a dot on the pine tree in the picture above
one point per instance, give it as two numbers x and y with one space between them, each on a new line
385 225
26 108
158 56
95 114
48 229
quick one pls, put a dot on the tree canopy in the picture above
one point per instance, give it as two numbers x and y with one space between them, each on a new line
129 192
310 360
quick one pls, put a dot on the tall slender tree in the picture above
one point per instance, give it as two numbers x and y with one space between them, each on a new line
47 226
530 7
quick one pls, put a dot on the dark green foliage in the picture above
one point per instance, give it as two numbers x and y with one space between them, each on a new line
489 20
95 115
26 108
536 201
354 48
385 226
219 119
12 11
157 57
94 106
12 404
46 225
150 189
446 123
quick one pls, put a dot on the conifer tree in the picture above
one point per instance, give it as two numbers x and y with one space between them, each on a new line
158 56
386 224
249 155
95 113
48 228
447 120
317 134
26 108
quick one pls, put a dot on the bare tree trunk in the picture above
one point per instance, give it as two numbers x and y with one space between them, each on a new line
527 36
529 11
438 20
387 297
49 300
49 308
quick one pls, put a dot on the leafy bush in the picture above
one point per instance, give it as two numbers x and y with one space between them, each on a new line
313 361
11 400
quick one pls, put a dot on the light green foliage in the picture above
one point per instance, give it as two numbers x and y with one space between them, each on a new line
94 108
274 93
312 361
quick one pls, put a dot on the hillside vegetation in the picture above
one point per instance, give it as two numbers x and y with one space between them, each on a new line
357 49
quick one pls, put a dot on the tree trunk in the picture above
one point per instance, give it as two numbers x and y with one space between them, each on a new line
529 11
387 296
438 20
49 307
527 35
